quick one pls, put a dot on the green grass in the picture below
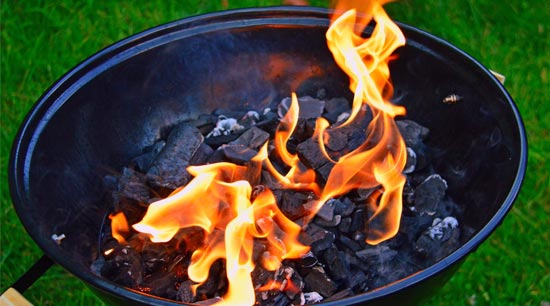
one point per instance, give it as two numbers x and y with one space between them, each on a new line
41 40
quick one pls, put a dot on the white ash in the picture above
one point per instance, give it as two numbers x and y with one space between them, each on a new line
251 115
438 227
225 126
411 161
310 298
342 117
58 238
266 111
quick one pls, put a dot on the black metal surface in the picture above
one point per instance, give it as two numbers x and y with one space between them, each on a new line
107 109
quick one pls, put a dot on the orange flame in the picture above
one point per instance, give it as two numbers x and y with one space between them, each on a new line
219 199
119 227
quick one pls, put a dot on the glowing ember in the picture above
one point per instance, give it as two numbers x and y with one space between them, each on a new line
222 198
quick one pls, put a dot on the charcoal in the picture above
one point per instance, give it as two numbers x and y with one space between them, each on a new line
253 138
279 300
337 140
238 154
336 219
308 260
144 161
326 212
216 141
411 161
131 185
168 169
202 155
442 238
292 204
413 133
217 156
123 266
309 107
357 281
209 288
320 238
376 254
345 225
318 281
335 107
346 242
324 170
161 284
337 265
311 154
356 263
185 292
358 220
429 193
344 206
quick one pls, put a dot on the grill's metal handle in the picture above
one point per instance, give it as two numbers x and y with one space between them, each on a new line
13 296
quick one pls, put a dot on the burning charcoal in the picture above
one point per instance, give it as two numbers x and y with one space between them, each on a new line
428 194
412 132
337 265
123 266
168 169
216 157
143 161
310 108
185 292
411 161
376 254
238 154
311 154
439 240
311 298
253 138
320 238
318 281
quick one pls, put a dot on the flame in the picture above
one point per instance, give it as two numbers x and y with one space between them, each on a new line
119 227
220 198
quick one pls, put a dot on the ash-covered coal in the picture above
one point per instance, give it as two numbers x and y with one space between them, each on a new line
339 264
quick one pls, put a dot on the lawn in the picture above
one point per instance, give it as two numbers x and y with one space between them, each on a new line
41 40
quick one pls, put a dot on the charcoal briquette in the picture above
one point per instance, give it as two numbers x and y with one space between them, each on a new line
318 281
